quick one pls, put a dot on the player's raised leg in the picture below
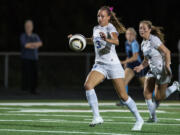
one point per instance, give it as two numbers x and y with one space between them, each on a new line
93 79
163 91
171 89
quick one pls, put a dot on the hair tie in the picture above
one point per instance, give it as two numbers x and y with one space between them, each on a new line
111 8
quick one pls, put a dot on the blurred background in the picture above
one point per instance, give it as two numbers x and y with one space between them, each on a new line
61 71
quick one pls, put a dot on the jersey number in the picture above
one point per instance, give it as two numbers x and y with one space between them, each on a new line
98 44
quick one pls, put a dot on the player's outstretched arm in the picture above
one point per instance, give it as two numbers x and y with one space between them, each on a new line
132 59
142 65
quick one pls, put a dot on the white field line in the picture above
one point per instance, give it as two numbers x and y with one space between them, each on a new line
74 104
8 108
83 111
107 120
81 122
78 116
58 132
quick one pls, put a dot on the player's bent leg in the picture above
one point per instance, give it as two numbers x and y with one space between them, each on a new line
119 86
129 102
163 91
171 89
142 80
160 90
93 79
129 74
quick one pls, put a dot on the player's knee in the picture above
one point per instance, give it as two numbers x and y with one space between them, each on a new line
88 86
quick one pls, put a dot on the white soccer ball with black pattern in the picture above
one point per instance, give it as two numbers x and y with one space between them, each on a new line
77 42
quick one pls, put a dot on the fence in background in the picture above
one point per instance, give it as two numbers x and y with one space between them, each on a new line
57 70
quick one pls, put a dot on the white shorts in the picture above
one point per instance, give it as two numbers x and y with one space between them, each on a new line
162 78
110 71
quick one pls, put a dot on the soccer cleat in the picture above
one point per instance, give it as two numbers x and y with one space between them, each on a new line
96 121
138 125
157 103
177 85
152 120
120 103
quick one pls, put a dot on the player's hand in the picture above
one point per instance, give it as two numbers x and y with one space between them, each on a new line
123 62
124 65
138 68
70 35
103 36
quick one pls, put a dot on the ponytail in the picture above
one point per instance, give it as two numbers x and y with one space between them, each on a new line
155 30
114 20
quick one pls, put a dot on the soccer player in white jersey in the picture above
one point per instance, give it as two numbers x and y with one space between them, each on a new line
107 65
157 56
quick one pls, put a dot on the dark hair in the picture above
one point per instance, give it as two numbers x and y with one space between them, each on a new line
114 20
155 30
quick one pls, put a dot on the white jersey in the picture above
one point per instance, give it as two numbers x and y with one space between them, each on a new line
151 52
104 52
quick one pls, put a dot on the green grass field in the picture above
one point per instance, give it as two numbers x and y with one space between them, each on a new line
73 118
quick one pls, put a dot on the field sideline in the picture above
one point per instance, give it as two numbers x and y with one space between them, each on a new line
46 117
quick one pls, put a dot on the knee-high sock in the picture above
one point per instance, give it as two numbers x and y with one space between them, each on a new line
151 107
171 89
132 107
93 102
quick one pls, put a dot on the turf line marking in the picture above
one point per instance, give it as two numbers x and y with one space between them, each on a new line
81 116
81 122
74 104
107 122
111 120
87 111
57 132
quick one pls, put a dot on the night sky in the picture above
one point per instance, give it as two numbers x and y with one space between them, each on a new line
55 19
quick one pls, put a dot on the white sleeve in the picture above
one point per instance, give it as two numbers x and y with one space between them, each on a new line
112 29
156 42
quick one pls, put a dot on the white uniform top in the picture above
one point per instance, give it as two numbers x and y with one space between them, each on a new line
151 52
104 52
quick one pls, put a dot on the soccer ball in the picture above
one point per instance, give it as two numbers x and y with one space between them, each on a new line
77 42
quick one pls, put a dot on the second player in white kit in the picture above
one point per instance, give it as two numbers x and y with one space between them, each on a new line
157 56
